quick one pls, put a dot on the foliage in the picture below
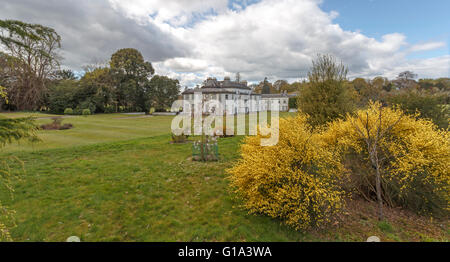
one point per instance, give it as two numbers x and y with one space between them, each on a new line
15 129
301 187
429 105
440 84
62 95
7 216
31 56
64 74
410 154
11 130
68 111
97 87
162 92
131 73
110 109
327 96
87 105
368 90
293 102
86 112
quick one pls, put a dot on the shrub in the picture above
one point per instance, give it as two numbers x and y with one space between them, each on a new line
68 111
86 112
296 180
87 105
411 154
109 109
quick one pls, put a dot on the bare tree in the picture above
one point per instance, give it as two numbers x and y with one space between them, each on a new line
31 56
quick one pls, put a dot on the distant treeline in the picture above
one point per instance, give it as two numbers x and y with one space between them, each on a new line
429 97
30 75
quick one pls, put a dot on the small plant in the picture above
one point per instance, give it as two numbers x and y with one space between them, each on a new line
86 112
385 227
206 149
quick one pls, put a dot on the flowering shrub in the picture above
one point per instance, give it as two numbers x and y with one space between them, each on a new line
412 156
296 180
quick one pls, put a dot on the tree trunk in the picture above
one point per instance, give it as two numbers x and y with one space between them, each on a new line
376 164
379 197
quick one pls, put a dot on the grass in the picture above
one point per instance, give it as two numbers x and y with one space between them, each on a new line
93 130
118 178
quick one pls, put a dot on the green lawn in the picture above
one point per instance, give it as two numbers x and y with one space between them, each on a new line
139 188
118 178
93 130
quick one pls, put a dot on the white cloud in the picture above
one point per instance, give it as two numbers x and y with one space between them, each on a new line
175 12
427 46
193 39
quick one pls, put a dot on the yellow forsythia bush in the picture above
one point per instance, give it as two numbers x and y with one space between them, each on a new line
296 180
414 156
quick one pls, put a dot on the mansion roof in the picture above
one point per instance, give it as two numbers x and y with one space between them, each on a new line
212 86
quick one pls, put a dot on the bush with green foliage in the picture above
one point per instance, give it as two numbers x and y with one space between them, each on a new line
86 112
87 104
68 111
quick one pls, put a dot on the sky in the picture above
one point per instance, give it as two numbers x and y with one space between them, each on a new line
191 40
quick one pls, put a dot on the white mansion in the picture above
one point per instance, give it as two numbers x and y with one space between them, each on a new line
236 97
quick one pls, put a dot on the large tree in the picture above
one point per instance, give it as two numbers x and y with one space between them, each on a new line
30 56
131 73
162 92
97 88
328 95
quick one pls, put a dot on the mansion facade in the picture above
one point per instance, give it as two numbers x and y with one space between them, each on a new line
235 96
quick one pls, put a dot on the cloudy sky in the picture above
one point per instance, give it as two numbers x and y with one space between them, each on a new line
193 39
